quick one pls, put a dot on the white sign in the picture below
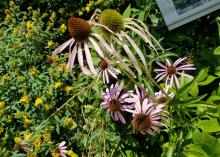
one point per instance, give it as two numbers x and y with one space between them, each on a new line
179 12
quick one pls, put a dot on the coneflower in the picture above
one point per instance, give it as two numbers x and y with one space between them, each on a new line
147 117
106 68
114 23
170 71
61 151
79 45
115 101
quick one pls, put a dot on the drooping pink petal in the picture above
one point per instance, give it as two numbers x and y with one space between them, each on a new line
62 47
89 58
178 61
160 64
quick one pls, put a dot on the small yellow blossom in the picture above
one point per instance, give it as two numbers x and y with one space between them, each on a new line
21 78
87 9
50 43
68 88
70 153
29 25
26 121
29 35
47 137
32 71
15 31
1 108
37 143
27 135
31 154
57 85
25 99
38 101
17 139
47 107
63 28
80 13
24 17
2 104
50 25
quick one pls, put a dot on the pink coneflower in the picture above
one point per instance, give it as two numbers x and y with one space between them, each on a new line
170 71
106 68
61 150
115 101
147 117
83 39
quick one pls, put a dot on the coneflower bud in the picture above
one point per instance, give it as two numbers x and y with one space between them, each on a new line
112 19
79 29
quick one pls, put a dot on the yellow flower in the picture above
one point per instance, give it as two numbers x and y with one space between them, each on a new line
38 101
47 137
63 28
32 71
24 17
29 35
21 78
47 107
87 9
71 153
68 88
2 104
29 25
80 13
15 31
57 85
50 25
50 43
17 139
31 154
27 135
25 99
26 121
37 143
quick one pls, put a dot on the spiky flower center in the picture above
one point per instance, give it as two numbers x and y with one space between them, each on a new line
112 19
114 105
103 65
161 100
141 122
79 29
171 70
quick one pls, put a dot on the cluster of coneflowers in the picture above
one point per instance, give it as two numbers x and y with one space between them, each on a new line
148 114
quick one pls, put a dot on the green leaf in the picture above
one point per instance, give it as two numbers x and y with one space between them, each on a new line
210 125
185 89
141 15
208 80
217 51
194 90
213 98
194 150
127 12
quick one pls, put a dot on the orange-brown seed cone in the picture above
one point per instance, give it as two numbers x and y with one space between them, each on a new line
79 29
